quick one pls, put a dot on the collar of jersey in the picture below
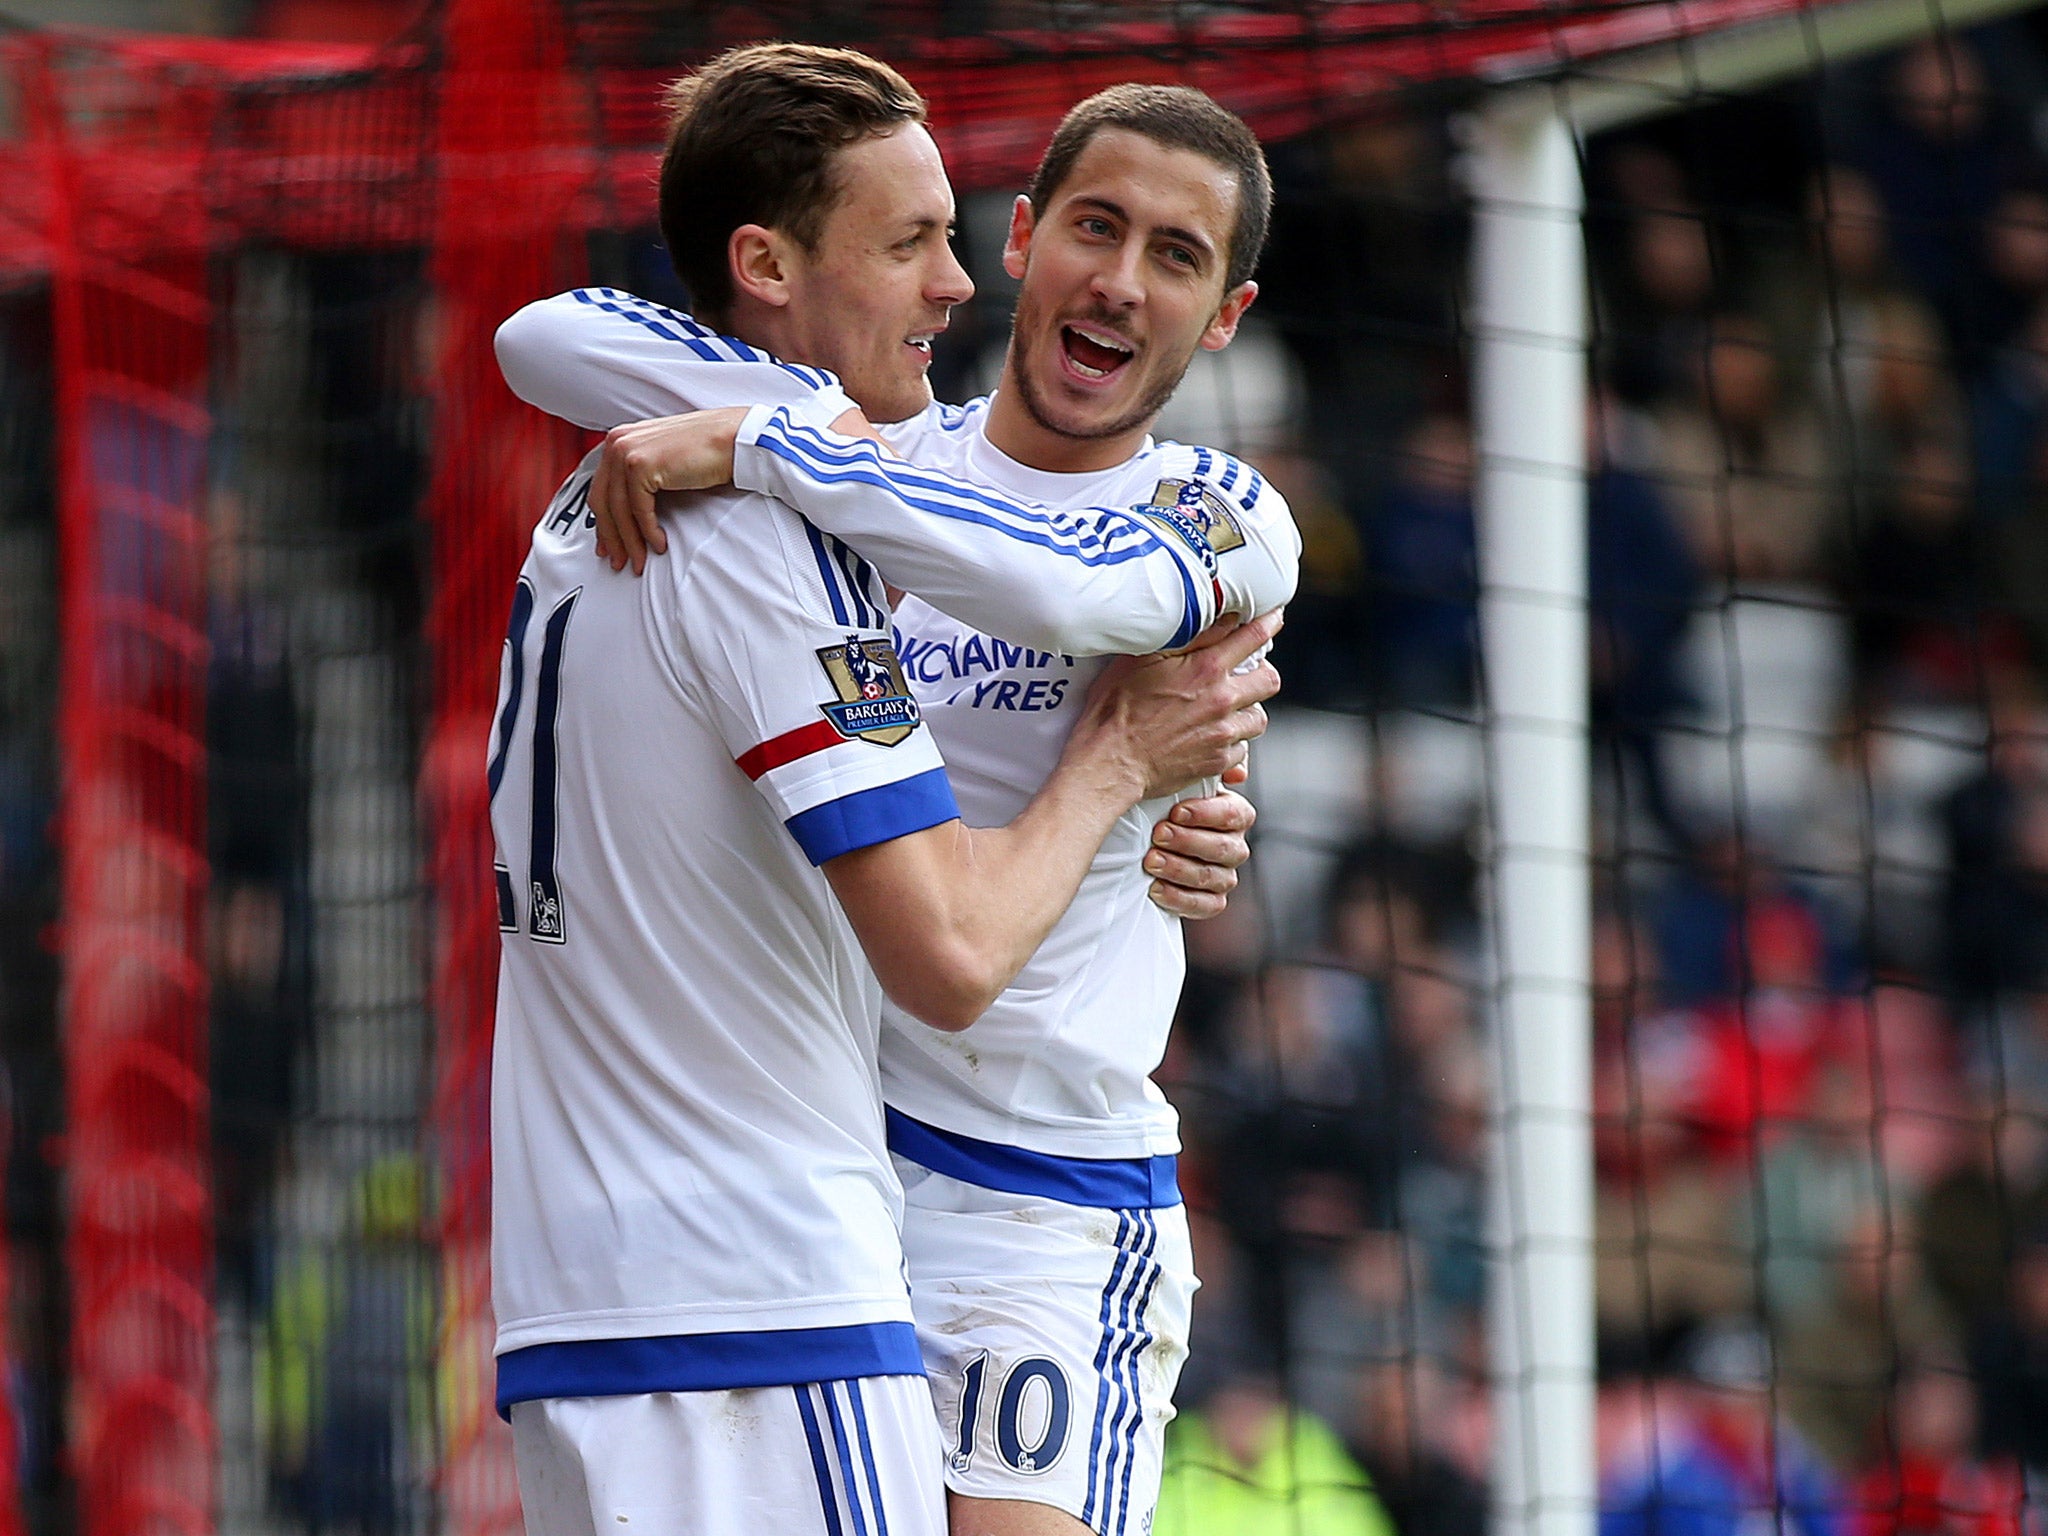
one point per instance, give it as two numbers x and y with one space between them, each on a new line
1055 488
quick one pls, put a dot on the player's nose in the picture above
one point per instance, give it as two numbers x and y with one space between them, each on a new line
949 283
1116 281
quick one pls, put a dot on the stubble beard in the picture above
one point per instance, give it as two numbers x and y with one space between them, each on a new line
1040 410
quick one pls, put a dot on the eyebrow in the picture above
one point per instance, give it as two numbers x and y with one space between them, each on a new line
1168 231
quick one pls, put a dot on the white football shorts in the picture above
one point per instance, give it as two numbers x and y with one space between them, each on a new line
1053 1335
828 1458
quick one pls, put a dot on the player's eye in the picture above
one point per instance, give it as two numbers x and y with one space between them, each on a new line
1100 228
1181 256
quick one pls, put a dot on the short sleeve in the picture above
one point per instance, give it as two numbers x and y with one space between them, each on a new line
787 631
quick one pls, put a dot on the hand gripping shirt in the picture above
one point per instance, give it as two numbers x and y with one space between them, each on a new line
1050 1091
690 1186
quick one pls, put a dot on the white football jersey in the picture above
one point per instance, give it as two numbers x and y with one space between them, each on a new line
1060 1067
690 1185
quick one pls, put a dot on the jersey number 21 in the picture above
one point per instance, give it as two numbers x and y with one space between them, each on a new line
545 916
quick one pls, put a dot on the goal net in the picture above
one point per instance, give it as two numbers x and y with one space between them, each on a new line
1619 1090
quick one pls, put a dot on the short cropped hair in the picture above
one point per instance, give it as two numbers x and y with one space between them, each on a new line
752 140
1176 117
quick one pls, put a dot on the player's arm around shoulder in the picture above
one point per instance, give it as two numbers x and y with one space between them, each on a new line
600 357
949 915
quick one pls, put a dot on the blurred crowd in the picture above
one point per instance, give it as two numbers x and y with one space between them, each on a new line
1818 569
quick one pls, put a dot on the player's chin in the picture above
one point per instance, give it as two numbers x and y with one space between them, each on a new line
906 396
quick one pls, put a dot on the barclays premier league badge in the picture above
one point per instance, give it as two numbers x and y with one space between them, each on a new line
874 698
1196 513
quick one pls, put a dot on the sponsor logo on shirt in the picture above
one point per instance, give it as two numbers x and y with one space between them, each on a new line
1197 515
874 699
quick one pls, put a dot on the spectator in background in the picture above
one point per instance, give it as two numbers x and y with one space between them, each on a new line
2015 258
1658 1475
1324 652
1363 278
2010 1358
1420 1436
1698 918
1244 1463
257 839
1838 1360
1992 1184
1661 279
1703 1454
2008 412
1642 585
1302 1128
1423 558
1873 359
1745 466
1940 158
1923 1477
1995 907
1666 1245
1917 577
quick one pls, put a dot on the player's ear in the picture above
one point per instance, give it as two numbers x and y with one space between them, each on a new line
759 260
1224 327
1018 246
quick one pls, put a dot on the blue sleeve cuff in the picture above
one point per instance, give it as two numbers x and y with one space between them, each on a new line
870 816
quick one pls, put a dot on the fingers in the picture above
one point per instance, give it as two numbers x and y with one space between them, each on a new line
1253 685
1242 643
1215 813
1192 906
1222 850
614 504
853 424
646 524
1189 887
604 510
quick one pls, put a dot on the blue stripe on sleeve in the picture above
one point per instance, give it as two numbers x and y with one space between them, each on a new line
864 613
1251 491
826 574
870 816
813 451
862 463
698 337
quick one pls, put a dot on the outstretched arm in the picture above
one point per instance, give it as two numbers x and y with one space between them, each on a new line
1094 582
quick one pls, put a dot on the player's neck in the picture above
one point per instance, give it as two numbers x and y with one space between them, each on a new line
1017 432
768 326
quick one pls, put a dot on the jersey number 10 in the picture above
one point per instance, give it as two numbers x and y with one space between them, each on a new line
544 914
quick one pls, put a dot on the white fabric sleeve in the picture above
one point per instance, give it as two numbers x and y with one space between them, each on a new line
601 358
1090 582
1246 521
787 637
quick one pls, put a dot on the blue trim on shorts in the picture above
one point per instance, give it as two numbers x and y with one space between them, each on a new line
706 1362
1107 1183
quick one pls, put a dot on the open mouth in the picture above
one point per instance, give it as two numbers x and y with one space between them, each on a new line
1094 353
